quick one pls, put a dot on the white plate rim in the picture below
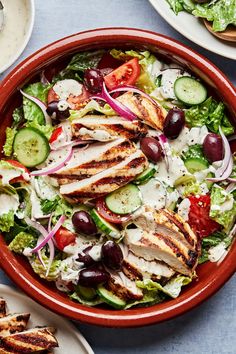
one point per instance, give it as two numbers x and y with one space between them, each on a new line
165 15
70 327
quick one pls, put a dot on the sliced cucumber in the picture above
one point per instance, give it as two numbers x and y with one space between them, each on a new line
86 293
195 164
184 180
110 298
145 175
30 147
124 200
104 225
189 91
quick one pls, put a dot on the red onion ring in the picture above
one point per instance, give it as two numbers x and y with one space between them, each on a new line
52 169
72 143
232 180
50 234
231 187
165 148
41 105
43 79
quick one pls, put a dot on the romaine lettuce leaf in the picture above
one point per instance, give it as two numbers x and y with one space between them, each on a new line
150 298
209 113
223 207
21 241
97 301
176 5
8 146
31 111
41 271
7 221
92 106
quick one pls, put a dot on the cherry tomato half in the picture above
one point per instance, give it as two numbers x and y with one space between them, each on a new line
199 218
126 74
17 164
108 215
55 135
64 237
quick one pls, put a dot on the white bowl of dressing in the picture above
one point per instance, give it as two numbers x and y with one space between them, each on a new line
16 31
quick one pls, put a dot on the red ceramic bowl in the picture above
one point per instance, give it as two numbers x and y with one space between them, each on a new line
211 275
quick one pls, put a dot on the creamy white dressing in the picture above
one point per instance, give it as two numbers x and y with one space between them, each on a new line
155 68
134 234
43 188
197 135
7 174
8 203
98 134
183 208
95 253
172 198
217 253
181 143
153 194
65 88
169 76
176 169
13 34
36 211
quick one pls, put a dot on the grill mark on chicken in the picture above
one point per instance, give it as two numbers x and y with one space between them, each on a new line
180 225
13 323
103 163
136 162
118 180
122 291
128 133
131 272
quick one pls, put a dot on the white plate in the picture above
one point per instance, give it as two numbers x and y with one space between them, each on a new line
192 28
70 339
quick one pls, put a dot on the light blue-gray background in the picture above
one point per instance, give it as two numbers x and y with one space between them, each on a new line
211 328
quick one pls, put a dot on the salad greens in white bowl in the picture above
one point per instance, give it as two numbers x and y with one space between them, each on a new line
186 16
118 178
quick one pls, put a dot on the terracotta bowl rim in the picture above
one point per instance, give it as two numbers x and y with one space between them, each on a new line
32 286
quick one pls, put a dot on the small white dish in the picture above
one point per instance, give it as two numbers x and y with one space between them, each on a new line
69 338
194 29
23 20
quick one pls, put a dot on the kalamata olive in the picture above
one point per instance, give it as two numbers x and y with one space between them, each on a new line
151 148
93 276
93 80
58 110
213 147
83 223
112 255
84 257
174 123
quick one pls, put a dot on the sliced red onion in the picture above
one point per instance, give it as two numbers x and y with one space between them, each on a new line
117 106
50 234
98 97
166 149
134 89
233 231
41 105
231 187
232 180
232 137
72 143
226 173
55 167
39 254
227 157
51 255
43 79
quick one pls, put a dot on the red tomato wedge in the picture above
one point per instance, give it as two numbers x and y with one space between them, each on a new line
17 164
126 74
108 215
64 237
55 135
199 218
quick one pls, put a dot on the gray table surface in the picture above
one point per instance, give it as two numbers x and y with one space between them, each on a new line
211 328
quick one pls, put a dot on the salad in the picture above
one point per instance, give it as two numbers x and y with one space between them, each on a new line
221 13
118 178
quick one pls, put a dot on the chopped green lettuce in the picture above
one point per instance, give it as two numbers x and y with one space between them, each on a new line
149 298
176 5
21 241
92 106
6 221
49 206
212 241
97 301
45 129
41 271
194 151
223 207
8 146
172 288
18 116
78 64
209 113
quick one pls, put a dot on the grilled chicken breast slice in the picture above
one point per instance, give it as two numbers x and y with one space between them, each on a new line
152 114
2 308
123 287
96 158
30 341
106 181
104 128
138 268
13 323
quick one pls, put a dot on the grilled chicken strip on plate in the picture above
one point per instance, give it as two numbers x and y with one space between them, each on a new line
2 308
103 128
123 287
106 181
13 323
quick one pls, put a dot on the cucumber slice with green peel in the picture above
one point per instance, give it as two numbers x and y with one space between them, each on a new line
184 180
30 147
110 298
195 164
189 91
124 200
145 175
86 293
104 225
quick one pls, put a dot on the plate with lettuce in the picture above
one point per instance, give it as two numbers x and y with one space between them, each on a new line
186 16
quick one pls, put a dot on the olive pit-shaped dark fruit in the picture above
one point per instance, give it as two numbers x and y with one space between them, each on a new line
84 257
151 149
83 223
56 112
174 123
112 255
213 147
93 80
93 276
